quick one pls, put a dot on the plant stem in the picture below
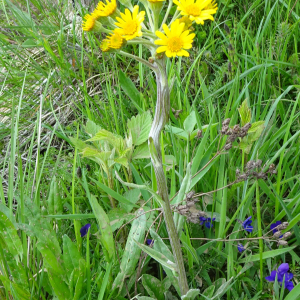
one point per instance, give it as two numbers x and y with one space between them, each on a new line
160 119
261 245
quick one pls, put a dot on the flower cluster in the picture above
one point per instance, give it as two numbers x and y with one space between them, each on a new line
172 39
282 275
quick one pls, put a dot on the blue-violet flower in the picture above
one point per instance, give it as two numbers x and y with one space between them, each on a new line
84 229
207 222
240 247
281 273
247 224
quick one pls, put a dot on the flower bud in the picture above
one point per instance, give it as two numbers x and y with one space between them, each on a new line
282 243
277 234
286 235
236 128
199 134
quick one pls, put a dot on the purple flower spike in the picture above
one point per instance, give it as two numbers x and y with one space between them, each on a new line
241 248
84 230
282 274
207 222
247 224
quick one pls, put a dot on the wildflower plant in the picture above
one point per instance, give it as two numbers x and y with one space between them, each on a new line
173 37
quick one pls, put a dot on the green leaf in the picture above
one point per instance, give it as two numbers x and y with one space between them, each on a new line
208 292
133 195
91 127
153 286
113 193
223 289
267 254
245 113
139 128
191 294
60 288
145 298
141 151
131 253
117 216
79 144
10 236
71 255
162 259
130 90
190 122
79 276
104 135
161 247
107 239
255 131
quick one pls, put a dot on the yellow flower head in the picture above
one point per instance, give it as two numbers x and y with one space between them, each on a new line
197 10
115 41
187 22
104 46
175 41
130 24
88 23
105 9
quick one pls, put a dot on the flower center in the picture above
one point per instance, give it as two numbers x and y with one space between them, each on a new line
193 10
130 27
175 44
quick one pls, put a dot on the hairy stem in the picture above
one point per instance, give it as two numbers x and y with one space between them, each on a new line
160 119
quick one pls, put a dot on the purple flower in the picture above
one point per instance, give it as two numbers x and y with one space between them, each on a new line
149 242
241 248
247 224
275 225
207 222
282 273
84 229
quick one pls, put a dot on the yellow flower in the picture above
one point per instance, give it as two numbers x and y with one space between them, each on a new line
187 22
115 41
175 41
130 24
197 10
104 46
90 23
105 9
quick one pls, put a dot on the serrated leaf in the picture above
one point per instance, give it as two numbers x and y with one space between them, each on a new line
191 294
245 113
132 252
142 151
113 139
91 127
139 128
79 144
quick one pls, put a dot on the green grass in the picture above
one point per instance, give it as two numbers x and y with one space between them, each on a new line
56 85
